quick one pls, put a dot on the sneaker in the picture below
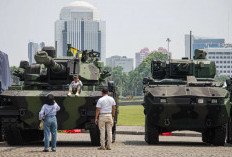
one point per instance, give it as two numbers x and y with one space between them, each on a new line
77 94
69 94
53 150
45 150
108 148
101 148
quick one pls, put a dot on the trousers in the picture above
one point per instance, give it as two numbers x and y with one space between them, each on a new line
50 126
105 122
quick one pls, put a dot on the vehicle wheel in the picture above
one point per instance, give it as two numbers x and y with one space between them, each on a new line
1 133
219 136
113 133
229 132
95 136
208 136
151 133
13 136
31 135
205 137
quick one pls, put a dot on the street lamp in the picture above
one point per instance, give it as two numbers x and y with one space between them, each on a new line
168 40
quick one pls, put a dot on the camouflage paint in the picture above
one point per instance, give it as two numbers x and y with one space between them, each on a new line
179 83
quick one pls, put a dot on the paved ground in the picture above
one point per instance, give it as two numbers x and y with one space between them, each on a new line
139 130
126 145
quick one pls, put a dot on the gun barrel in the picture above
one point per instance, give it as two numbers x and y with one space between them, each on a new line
42 57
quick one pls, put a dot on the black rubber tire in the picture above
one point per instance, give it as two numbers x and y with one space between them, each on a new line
95 136
31 135
113 133
1 133
219 136
205 137
15 136
151 133
229 132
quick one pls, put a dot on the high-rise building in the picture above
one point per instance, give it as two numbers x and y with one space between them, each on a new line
80 26
222 58
126 63
201 43
140 56
32 49
42 45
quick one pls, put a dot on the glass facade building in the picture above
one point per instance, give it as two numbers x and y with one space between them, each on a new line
32 49
80 26
201 43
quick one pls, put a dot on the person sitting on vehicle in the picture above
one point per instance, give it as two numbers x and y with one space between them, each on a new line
75 86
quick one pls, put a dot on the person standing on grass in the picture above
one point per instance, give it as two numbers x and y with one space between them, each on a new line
48 114
105 111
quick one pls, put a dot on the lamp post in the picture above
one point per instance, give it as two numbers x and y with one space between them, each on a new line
168 40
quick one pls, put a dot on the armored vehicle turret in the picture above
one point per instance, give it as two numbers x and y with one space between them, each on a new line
20 105
183 95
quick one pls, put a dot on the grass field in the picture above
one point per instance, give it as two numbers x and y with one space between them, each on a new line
131 115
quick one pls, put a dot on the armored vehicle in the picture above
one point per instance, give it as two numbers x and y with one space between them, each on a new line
183 95
20 105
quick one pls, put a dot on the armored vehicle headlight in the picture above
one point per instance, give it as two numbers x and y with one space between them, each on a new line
163 100
214 101
200 101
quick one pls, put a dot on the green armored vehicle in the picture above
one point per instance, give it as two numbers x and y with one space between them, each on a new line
183 95
20 105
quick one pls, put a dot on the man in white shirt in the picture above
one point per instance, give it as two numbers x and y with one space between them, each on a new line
75 86
106 111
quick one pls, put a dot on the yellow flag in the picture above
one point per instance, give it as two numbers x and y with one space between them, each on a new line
74 51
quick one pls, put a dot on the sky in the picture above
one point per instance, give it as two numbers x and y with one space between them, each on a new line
130 24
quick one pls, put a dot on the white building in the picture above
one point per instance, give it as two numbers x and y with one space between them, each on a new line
126 63
222 58
80 26
32 49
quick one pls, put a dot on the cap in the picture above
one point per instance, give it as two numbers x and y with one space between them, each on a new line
75 76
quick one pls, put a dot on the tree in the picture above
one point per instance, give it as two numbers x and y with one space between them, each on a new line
222 78
132 83
135 78
15 80
118 76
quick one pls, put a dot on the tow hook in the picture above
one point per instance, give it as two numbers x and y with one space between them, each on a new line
167 122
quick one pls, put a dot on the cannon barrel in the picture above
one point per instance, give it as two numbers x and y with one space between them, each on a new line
42 57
